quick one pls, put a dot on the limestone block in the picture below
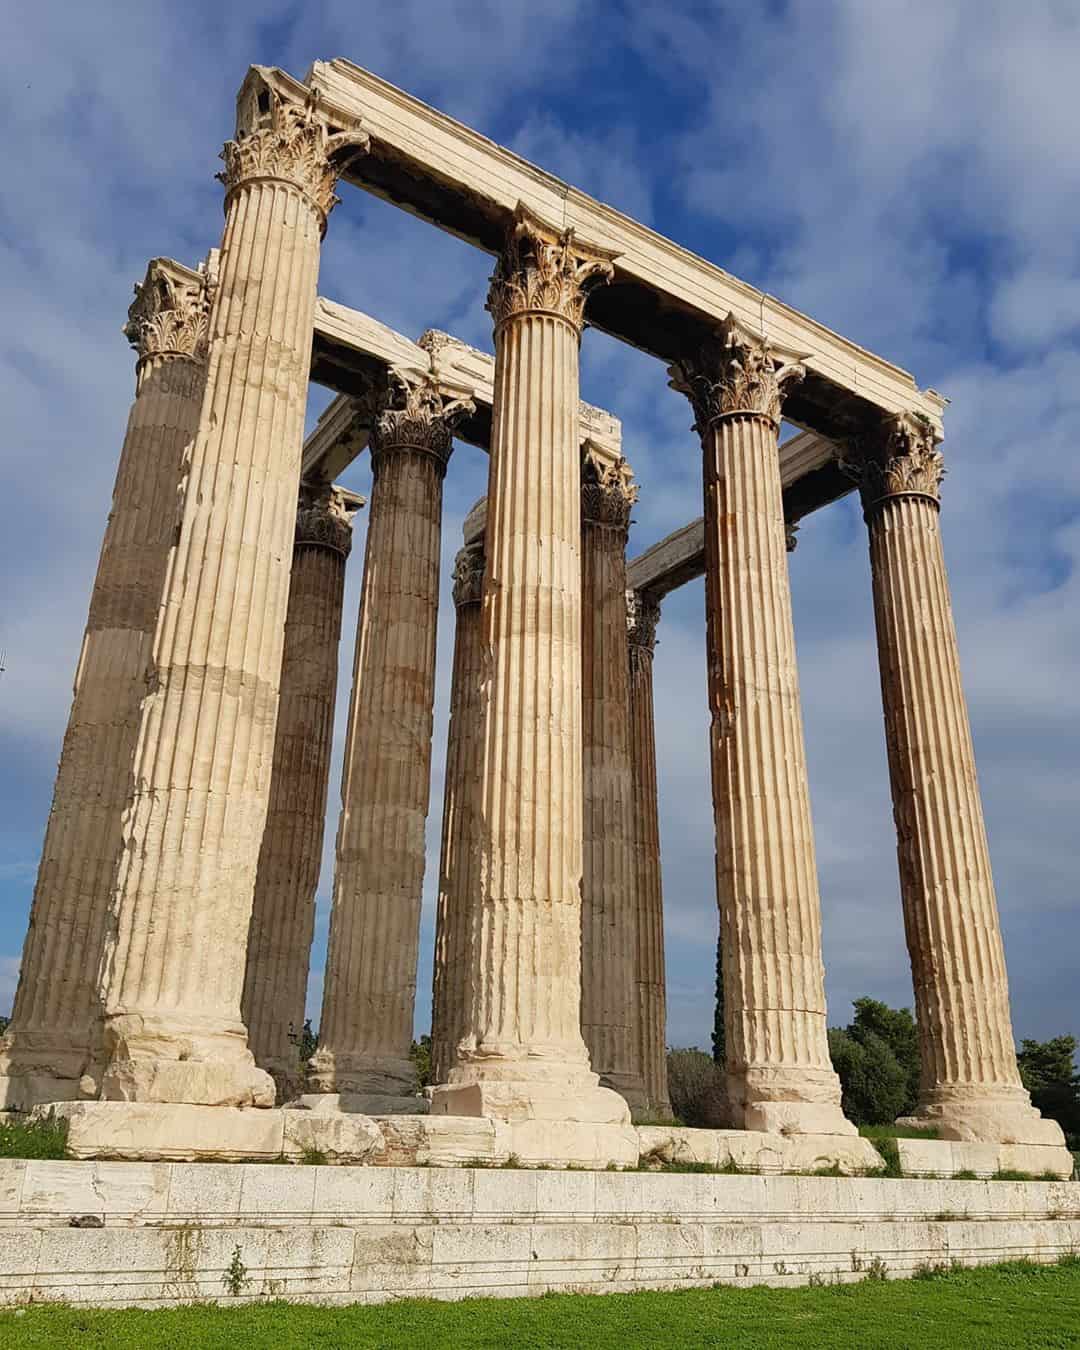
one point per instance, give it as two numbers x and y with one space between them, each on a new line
447 1193
12 1172
344 1191
339 1136
944 1158
565 1194
505 1193
796 1118
206 1189
115 1190
564 1254
286 1194
303 1262
478 1257
564 1143
519 1101
154 1130
438 1141
393 1257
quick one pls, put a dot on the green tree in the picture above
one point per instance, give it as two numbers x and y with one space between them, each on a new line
873 1083
1048 1070
308 1043
719 1044
896 1027
420 1054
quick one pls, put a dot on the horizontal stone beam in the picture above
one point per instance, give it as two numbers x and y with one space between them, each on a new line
663 298
352 353
808 472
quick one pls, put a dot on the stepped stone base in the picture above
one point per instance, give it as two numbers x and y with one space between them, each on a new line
152 1131
154 1234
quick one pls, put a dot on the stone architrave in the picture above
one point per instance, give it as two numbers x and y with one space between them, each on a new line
522 1055
970 1086
283 912
650 1027
779 1075
608 903
369 990
50 1044
173 968
459 870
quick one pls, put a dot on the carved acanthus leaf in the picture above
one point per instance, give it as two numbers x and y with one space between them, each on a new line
469 575
170 313
734 371
324 519
608 491
419 416
542 269
286 140
897 457
642 616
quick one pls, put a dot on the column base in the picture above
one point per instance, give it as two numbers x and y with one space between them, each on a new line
786 1101
518 1100
630 1089
154 1060
336 1071
974 1115
35 1069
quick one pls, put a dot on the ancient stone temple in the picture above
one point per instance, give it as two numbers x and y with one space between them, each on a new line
165 971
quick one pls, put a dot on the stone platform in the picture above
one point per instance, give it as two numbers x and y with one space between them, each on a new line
153 1234
154 1132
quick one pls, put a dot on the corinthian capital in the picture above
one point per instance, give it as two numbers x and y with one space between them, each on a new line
324 518
418 416
543 270
279 138
607 491
642 616
898 457
469 575
734 372
170 313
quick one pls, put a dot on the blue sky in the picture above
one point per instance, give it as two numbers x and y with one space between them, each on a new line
906 172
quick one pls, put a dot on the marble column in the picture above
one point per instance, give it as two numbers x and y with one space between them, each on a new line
650 994
608 904
370 985
48 1052
970 1087
459 873
283 912
522 1055
779 1075
173 967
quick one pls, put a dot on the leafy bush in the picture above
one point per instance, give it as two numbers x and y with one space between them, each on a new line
695 1088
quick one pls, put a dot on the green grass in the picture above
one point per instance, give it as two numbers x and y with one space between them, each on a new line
875 1132
1017 1305
34 1138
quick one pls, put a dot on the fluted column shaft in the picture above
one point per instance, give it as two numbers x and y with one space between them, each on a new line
459 864
49 1044
370 986
650 1027
174 962
779 1075
970 1085
283 912
609 914
522 1053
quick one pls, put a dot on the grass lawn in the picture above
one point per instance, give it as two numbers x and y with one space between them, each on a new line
1012 1305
